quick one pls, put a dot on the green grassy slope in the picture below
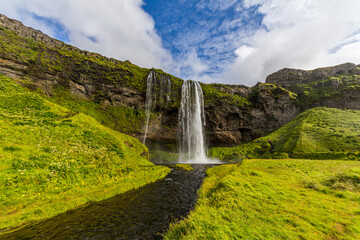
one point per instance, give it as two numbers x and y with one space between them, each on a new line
319 133
67 63
119 118
52 159
276 199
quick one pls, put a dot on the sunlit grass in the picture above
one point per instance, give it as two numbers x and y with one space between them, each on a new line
276 199
186 167
52 159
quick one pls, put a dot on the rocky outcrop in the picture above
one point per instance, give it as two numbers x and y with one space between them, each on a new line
289 77
28 32
48 63
267 108
335 87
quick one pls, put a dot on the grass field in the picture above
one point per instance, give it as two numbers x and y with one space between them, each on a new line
319 133
52 159
276 199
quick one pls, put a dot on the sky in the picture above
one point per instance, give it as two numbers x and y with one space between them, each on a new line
224 41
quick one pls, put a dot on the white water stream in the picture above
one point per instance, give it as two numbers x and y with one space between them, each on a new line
191 124
191 118
148 101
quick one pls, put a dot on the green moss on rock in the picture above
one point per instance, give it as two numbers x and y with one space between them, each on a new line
213 95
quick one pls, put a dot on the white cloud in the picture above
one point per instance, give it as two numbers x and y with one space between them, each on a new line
221 48
244 52
299 34
191 66
122 29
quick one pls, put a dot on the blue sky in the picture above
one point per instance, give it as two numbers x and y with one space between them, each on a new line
59 30
204 28
227 41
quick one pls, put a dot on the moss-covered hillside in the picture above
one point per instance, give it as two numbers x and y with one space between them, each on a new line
109 90
66 62
53 159
342 90
114 92
319 133
336 86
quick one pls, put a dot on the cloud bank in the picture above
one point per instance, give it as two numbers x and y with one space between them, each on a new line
297 34
119 29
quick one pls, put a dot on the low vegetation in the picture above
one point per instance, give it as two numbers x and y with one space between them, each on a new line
68 62
186 167
276 199
64 65
333 87
157 156
120 118
53 159
273 90
212 94
319 133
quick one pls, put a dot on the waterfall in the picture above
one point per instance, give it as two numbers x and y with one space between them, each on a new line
158 96
191 124
168 90
148 101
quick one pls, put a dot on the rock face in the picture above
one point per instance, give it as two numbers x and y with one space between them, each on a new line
266 109
335 87
234 113
288 77
56 63
27 32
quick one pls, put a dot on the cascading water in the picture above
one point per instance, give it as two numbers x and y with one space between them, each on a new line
158 96
148 101
191 124
191 116
168 90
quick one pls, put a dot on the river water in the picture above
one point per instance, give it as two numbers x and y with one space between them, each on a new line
144 213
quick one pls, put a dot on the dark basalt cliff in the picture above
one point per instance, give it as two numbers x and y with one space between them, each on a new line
117 90
260 109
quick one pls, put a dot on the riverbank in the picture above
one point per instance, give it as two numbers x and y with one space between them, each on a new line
143 213
276 199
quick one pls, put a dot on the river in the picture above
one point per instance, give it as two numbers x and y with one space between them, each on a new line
144 213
